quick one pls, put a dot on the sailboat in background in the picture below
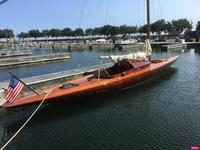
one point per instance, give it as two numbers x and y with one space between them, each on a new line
128 70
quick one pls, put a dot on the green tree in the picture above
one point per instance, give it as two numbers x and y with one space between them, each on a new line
2 34
108 30
7 33
132 30
198 26
55 32
34 33
181 25
123 29
89 31
23 35
160 26
45 33
97 31
169 28
78 32
66 32
143 29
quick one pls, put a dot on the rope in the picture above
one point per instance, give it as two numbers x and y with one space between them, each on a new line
26 120
139 14
107 9
160 10
98 12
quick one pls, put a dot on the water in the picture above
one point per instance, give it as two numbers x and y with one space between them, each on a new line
163 113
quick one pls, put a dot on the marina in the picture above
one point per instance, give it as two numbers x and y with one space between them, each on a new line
99 78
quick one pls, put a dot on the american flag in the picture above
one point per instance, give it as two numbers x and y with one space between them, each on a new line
14 89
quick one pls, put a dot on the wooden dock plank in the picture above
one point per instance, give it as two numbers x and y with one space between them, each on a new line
15 53
175 46
32 59
178 46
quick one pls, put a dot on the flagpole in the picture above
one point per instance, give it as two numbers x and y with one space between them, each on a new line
25 84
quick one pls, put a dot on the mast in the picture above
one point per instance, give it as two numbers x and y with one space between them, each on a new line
148 45
148 20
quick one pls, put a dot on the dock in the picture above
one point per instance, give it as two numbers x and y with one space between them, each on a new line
53 77
6 54
178 46
138 45
175 46
79 45
32 59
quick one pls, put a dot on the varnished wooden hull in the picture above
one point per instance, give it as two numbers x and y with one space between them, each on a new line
128 78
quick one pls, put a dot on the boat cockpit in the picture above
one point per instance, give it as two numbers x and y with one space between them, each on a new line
119 67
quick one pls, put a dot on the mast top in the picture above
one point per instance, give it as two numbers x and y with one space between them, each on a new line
148 20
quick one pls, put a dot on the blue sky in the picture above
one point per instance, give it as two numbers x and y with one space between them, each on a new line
22 15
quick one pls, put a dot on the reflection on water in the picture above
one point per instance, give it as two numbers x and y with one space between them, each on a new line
163 113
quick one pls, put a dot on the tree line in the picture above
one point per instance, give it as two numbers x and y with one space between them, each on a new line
171 28
6 33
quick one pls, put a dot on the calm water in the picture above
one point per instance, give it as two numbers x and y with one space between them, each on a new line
163 113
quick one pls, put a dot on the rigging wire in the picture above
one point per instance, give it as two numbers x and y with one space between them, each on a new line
143 14
111 8
106 19
84 2
138 13
160 9
107 8
98 12
153 16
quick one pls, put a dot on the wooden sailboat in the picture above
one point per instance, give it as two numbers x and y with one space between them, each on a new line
127 70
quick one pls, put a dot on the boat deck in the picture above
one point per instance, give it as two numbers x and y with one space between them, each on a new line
57 75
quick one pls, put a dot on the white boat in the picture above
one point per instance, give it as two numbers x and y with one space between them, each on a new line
125 41
101 41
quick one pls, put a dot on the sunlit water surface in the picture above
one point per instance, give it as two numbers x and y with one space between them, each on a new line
163 113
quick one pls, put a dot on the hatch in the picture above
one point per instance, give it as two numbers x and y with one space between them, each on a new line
68 85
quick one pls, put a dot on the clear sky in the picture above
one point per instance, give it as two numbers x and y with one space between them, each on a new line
22 15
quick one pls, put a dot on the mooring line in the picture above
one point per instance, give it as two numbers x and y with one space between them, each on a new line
26 121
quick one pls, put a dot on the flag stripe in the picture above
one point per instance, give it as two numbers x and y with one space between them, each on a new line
16 92
8 92
14 89
12 92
